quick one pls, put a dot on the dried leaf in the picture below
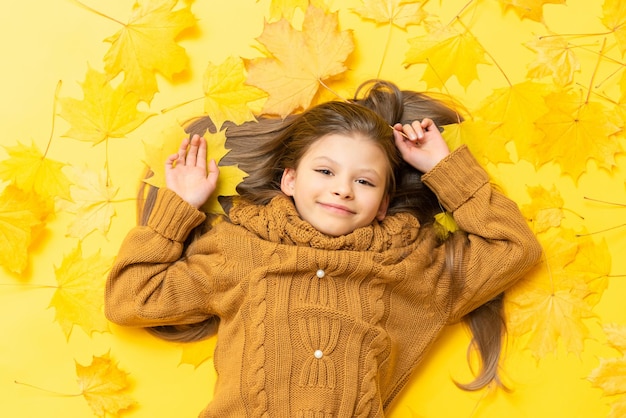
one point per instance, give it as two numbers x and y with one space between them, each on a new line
104 112
103 385
78 298
447 53
29 170
146 45
393 12
528 9
226 97
545 210
299 61
555 58
614 18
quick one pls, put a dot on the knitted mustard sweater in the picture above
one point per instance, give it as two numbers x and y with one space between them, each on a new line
313 325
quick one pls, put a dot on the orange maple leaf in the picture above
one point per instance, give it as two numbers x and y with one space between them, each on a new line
299 62
555 58
29 170
610 375
576 132
395 12
447 53
614 18
92 202
103 113
528 9
226 97
78 298
147 45
104 386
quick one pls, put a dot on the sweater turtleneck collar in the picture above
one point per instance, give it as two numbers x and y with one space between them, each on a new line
279 222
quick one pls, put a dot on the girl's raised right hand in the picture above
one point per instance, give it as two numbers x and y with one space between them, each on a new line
186 172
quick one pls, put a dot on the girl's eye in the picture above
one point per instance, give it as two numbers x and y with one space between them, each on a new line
324 171
365 182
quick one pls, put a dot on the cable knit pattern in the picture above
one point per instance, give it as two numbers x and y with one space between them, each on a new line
313 326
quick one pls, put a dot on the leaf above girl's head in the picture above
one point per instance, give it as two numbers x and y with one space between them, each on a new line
395 12
299 61
555 58
105 112
528 9
614 18
147 45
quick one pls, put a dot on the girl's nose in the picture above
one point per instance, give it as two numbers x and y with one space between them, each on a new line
343 189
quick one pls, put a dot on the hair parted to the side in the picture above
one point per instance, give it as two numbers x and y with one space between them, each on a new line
264 148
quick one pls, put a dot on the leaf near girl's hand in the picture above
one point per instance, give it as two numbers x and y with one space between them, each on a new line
395 12
299 61
104 386
555 58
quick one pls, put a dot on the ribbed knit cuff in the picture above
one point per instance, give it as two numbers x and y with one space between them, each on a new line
172 217
456 178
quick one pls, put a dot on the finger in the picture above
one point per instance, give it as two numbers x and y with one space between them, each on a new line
169 162
192 153
410 131
214 172
202 150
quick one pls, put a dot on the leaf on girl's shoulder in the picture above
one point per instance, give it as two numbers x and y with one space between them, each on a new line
78 298
446 53
29 170
104 386
445 224
299 62
528 9
104 112
395 12
91 202
226 96
21 214
146 45
555 58
610 375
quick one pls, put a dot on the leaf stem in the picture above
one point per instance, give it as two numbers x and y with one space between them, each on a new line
604 201
54 113
600 231
84 6
176 106
385 50
595 70
65 395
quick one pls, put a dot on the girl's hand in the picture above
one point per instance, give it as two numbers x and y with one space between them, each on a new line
420 144
186 172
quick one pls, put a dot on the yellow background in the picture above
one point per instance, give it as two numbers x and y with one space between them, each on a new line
47 41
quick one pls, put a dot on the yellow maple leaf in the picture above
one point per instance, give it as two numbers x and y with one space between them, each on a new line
92 202
445 224
196 353
514 110
20 216
576 132
480 138
104 386
555 58
78 298
299 61
286 8
447 53
553 301
105 112
610 375
614 18
545 210
395 12
230 175
226 97
29 170
528 9
146 45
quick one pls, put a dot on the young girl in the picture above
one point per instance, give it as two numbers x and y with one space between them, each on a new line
327 277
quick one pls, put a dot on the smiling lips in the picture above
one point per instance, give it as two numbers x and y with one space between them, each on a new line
339 209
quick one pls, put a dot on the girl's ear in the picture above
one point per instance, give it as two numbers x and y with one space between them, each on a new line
382 210
287 182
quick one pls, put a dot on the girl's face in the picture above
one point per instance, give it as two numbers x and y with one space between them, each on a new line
339 184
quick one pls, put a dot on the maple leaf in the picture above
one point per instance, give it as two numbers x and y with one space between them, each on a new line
196 353
555 58
147 45
230 175
515 109
78 298
20 216
528 9
29 170
445 224
92 203
546 209
614 18
103 385
479 137
610 375
286 8
103 113
300 61
395 12
576 132
555 298
226 97
446 53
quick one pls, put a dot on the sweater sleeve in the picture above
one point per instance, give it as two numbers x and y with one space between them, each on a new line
501 245
150 282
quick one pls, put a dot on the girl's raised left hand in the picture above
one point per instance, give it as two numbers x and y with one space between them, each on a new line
186 172
422 145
